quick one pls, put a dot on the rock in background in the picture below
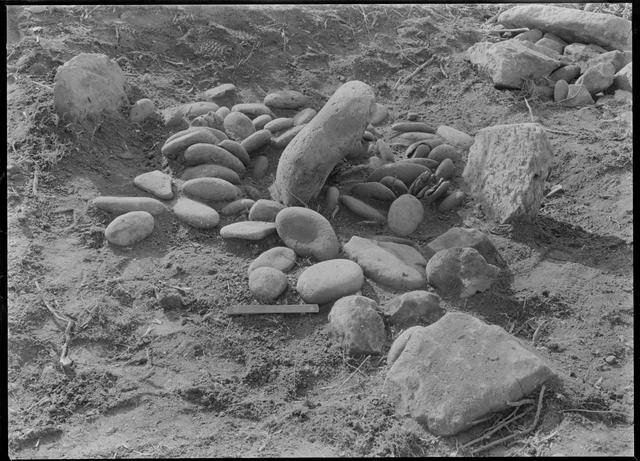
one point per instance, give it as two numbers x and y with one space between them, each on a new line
506 170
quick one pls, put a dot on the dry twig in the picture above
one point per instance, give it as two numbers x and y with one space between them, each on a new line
536 333
65 361
418 69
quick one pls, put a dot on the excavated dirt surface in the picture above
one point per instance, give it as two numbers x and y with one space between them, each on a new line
154 380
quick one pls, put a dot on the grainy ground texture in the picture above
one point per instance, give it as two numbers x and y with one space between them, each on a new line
159 368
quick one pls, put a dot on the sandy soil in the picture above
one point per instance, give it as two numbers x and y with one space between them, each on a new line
155 380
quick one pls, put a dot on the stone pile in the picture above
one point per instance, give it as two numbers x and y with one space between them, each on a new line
568 55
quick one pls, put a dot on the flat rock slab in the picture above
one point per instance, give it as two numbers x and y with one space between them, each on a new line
383 266
88 84
459 369
506 170
511 62
307 232
571 25
248 230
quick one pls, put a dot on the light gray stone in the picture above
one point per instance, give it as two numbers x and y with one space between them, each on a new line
382 266
571 25
267 283
129 228
281 258
624 78
417 307
460 272
196 214
307 232
577 95
616 58
333 133
156 183
220 91
405 215
212 189
256 141
356 324
304 116
209 170
87 85
511 62
238 126
248 230
506 170
286 99
450 374
265 210
567 73
597 78
237 206
560 91
407 254
329 280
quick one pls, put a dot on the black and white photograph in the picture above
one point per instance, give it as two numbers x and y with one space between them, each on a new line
319 230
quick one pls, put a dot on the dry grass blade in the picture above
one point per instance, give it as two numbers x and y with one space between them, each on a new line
65 361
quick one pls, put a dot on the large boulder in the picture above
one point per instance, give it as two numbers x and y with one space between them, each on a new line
329 137
512 62
382 266
506 170
460 272
453 372
356 324
88 84
597 78
624 78
571 25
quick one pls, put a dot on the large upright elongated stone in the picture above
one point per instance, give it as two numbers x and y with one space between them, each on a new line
334 132
506 170
88 84
511 62
458 370
572 25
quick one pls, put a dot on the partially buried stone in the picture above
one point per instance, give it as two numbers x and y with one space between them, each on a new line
458 370
406 172
196 214
252 108
281 258
566 73
357 326
220 91
236 149
405 215
261 121
286 99
459 237
307 232
248 230
119 205
329 280
267 283
142 109
237 206
460 272
129 228
256 140
624 78
443 151
417 307
380 113
382 266
265 210
155 182
407 254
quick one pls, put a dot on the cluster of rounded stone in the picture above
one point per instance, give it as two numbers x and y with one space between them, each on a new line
422 176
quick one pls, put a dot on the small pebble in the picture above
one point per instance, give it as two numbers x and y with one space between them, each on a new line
412 116
611 359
